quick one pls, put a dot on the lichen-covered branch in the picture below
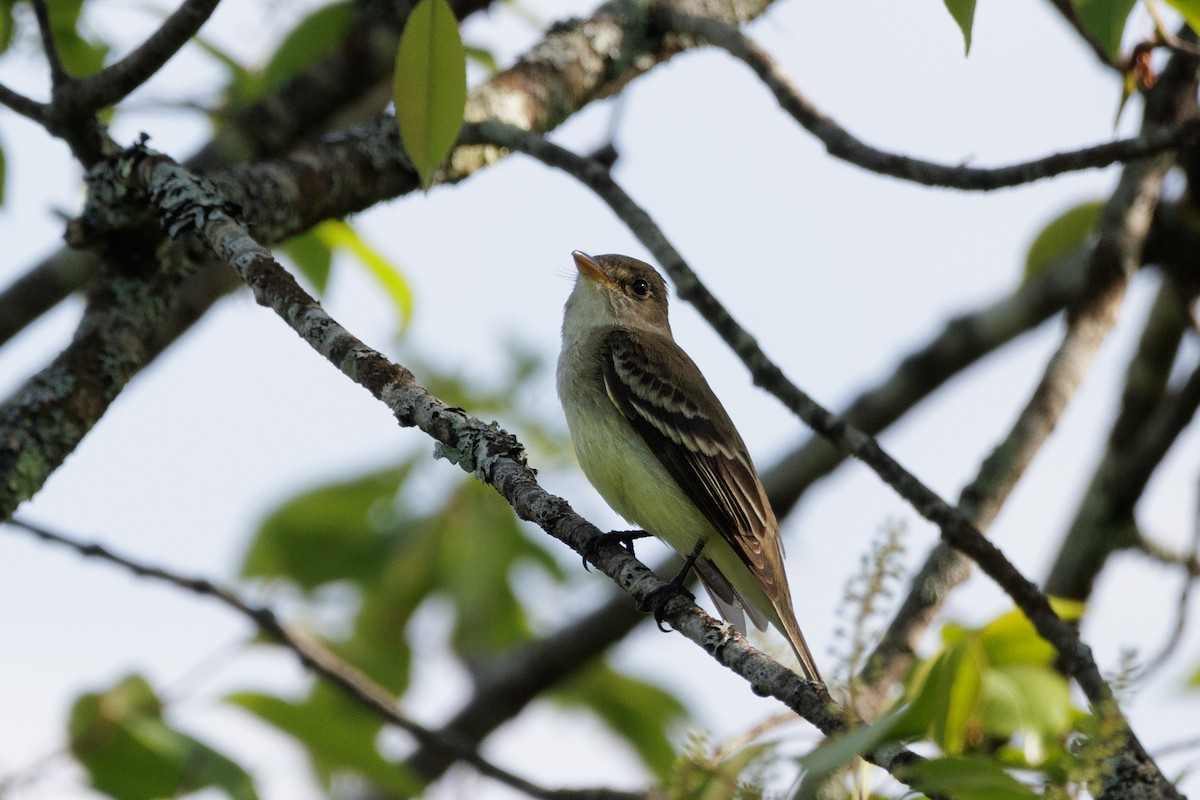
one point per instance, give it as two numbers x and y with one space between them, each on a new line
185 204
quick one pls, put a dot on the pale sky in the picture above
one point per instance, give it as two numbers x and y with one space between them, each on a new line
836 271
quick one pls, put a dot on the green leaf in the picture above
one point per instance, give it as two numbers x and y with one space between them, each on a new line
243 85
1105 21
945 694
480 543
129 752
1066 232
639 712
313 37
79 55
963 12
1189 10
430 87
838 751
339 735
1032 700
1012 639
3 175
331 533
336 234
967 779
6 24
312 258
483 57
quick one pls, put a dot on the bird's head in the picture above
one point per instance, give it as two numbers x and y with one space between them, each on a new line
617 290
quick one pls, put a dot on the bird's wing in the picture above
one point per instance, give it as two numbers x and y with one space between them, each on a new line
667 400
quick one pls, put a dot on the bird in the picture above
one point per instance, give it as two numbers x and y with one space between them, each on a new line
656 443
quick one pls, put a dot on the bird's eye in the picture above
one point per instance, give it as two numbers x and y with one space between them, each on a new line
640 287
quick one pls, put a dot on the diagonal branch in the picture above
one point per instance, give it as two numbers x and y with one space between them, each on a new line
324 662
842 144
1124 228
1147 424
965 340
575 64
958 529
184 203
87 95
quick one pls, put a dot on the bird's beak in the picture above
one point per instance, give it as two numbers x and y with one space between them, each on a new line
589 269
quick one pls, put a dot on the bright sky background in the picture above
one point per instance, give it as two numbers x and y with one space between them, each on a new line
836 271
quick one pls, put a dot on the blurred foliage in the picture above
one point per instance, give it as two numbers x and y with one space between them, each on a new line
120 737
430 87
1189 10
313 38
988 704
398 543
1066 232
1105 21
80 53
999 714
705 772
312 254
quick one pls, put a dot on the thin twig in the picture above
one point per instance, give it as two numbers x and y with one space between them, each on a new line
1191 563
90 94
25 106
321 660
842 144
58 75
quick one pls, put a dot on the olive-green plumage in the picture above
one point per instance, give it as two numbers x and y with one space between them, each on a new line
659 447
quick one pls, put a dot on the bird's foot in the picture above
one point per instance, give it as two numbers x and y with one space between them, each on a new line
663 595
623 538
660 598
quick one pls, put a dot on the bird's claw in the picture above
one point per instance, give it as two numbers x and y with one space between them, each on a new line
623 538
660 598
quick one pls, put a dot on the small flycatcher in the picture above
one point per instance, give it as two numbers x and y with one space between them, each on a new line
659 447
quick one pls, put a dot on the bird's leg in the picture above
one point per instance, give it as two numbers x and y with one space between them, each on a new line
674 587
623 538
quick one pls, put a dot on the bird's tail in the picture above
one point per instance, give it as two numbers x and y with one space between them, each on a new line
791 629
734 607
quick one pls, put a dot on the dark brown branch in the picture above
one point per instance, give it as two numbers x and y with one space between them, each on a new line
87 95
505 685
1103 521
324 662
842 144
963 341
26 107
58 75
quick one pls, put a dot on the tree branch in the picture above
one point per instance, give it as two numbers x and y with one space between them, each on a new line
842 144
58 75
85 96
1125 222
963 341
325 663
1146 426
26 107
184 204
576 63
